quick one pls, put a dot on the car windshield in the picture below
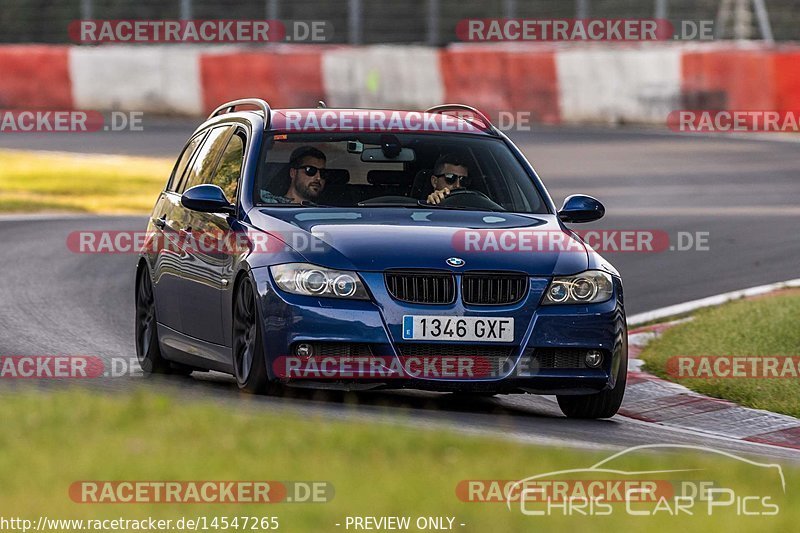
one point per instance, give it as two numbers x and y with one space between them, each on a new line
378 170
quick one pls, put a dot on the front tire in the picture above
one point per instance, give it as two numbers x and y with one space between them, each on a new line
604 404
247 348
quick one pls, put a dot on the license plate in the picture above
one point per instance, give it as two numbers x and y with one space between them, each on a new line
458 328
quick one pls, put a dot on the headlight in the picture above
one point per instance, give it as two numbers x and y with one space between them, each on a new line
312 280
592 286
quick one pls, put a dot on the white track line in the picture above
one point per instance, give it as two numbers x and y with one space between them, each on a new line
687 307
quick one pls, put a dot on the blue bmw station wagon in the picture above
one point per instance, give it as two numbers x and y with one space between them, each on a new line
374 249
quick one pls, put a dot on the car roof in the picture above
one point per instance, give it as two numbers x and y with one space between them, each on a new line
336 120
445 118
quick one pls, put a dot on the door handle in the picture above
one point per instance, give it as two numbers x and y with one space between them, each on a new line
160 223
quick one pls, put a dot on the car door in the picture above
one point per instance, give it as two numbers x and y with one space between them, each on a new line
166 258
207 266
178 219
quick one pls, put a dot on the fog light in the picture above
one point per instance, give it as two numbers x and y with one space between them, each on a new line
304 350
594 358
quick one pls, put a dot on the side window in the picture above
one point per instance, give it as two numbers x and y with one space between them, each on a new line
230 167
183 162
203 164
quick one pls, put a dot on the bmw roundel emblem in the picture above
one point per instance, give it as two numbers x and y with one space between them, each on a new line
455 262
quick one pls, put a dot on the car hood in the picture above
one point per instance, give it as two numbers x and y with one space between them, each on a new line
380 238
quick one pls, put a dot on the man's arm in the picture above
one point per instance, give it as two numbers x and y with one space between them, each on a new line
437 196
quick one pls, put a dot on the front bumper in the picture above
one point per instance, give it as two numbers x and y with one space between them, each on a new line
290 319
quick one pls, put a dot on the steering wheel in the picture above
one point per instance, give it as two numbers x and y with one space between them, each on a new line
469 198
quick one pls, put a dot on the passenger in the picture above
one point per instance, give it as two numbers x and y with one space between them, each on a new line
307 178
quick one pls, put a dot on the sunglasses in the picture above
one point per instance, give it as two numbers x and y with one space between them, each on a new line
311 170
451 179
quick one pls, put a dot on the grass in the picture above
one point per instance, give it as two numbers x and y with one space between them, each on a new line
763 326
42 181
52 439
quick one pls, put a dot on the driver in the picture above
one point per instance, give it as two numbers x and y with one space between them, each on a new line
449 173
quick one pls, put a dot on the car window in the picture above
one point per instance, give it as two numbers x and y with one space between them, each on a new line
203 164
494 179
183 162
230 167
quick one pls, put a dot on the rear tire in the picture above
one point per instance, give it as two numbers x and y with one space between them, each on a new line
148 351
247 348
604 404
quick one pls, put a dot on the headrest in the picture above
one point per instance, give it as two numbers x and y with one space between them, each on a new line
422 184
338 176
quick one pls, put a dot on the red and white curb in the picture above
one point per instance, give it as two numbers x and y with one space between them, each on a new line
652 399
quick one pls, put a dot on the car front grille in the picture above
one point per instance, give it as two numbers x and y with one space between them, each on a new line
421 287
493 288
477 288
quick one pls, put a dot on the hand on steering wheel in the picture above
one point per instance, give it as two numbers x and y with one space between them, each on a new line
437 196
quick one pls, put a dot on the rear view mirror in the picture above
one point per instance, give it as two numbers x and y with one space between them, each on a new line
355 147
373 155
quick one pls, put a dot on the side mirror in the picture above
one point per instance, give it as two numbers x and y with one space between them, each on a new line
581 208
207 198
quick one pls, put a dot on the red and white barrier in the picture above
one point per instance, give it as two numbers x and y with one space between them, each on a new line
34 76
742 79
158 79
290 76
382 76
618 85
554 83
